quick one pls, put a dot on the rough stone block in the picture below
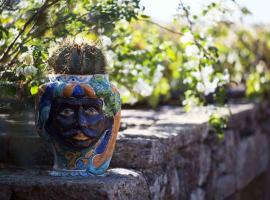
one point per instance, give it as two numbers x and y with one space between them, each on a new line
177 156
224 153
252 159
198 194
163 182
256 190
193 166
116 184
225 186
29 151
243 116
147 148
17 123
204 163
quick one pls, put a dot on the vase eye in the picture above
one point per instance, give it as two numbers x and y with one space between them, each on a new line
67 112
91 111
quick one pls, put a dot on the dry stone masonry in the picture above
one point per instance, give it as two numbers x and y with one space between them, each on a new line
162 154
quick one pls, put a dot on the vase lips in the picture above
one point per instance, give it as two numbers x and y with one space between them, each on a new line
80 137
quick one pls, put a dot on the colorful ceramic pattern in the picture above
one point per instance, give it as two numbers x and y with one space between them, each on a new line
69 78
80 157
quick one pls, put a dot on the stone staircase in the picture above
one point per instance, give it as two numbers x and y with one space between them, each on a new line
162 154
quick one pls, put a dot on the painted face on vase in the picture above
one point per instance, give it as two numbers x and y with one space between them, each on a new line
77 122
79 111
81 120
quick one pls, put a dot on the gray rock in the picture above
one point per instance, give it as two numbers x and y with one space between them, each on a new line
150 147
28 151
197 194
116 184
225 153
225 186
188 167
157 184
242 116
252 159
177 156
163 182
204 164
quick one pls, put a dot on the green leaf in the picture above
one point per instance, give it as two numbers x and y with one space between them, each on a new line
245 11
34 90
145 16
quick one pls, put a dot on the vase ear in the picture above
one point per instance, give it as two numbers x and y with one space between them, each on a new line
100 159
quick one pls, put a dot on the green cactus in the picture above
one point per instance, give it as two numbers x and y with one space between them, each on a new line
81 59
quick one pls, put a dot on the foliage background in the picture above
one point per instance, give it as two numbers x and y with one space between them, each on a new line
195 60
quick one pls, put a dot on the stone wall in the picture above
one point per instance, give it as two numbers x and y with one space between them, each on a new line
162 154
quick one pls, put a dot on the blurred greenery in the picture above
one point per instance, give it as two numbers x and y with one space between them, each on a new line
191 60
218 123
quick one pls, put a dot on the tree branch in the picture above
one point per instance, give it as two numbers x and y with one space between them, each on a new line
30 20
163 27
190 25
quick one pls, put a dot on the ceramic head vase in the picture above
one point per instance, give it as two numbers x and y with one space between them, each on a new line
79 111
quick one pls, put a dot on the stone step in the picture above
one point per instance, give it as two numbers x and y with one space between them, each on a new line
120 184
147 138
177 155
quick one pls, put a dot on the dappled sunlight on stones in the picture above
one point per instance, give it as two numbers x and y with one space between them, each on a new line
172 154
115 184
146 133
124 172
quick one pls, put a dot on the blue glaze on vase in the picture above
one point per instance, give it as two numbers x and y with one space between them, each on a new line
81 120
